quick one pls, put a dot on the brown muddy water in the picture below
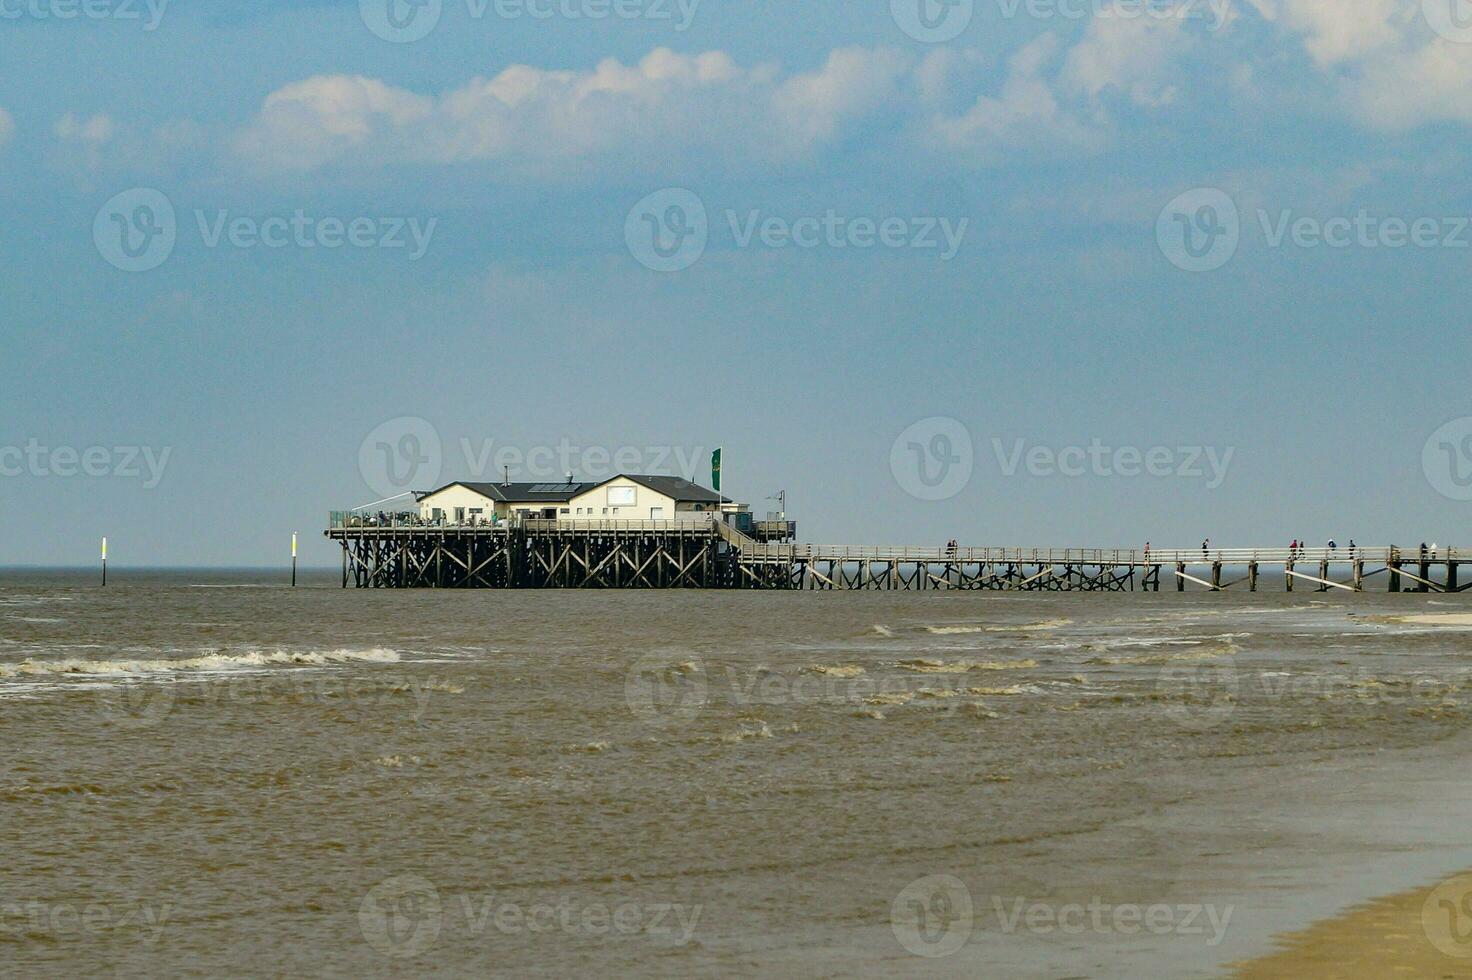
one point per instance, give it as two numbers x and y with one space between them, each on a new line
207 774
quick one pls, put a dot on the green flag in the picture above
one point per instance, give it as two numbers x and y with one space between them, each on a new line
715 471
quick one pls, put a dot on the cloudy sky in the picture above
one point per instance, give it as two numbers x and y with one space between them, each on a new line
1042 272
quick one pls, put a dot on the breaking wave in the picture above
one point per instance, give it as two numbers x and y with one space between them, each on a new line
213 661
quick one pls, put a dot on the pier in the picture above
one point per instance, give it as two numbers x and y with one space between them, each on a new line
708 553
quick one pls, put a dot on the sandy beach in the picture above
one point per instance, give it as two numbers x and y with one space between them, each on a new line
1424 932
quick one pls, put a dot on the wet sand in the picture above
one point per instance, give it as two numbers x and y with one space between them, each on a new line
1425 932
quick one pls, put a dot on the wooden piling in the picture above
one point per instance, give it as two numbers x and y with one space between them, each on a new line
1252 576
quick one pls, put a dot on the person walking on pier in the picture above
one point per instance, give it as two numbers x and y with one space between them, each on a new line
1333 547
1293 549
1205 547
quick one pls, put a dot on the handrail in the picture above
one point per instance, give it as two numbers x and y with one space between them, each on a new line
750 548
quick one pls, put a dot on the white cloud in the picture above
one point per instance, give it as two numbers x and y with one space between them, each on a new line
1027 114
1339 30
1137 56
1387 66
668 105
84 139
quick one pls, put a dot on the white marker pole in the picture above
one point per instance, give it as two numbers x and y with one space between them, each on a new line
293 559
104 562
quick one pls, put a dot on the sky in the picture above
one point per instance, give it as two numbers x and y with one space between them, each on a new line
1070 273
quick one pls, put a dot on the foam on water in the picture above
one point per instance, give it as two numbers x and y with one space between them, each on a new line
208 662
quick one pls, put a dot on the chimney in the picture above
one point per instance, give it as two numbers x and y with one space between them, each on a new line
505 476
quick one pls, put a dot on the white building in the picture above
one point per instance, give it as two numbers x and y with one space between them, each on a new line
622 498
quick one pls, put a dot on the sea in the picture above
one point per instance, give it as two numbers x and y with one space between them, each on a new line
210 773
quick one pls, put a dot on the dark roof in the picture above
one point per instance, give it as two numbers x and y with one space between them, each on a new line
552 493
674 487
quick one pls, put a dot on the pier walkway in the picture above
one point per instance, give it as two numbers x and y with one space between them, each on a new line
708 553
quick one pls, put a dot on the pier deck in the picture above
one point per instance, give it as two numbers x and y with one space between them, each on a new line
710 554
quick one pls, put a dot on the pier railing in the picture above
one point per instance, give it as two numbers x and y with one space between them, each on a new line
1104 556
751 549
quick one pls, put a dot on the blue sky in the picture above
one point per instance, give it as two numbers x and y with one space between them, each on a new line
1304 340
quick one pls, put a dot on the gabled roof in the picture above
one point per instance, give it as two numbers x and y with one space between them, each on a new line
521 493
676 488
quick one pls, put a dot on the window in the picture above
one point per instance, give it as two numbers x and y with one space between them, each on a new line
566 511
605 512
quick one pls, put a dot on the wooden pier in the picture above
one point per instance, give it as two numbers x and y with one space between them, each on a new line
709 554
